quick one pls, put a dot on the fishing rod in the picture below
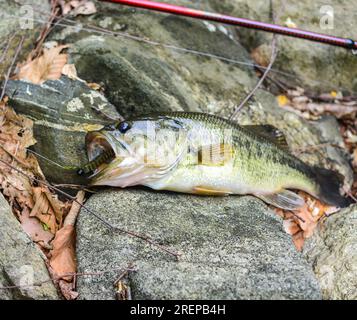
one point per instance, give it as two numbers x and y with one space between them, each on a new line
242 22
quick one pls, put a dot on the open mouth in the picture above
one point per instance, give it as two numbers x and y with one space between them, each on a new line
98 144
100 151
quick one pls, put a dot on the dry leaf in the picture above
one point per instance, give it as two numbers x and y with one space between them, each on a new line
301 223
77 7
261 55
32 226
67 290
94 86
85 8
298 239
15 137
47 208
48 66
70 71
282 100
63 259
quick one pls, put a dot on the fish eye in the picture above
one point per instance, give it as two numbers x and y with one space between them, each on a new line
123 127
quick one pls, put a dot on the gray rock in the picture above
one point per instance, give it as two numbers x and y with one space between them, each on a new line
332 252
63 111
312 65
21 262
232 248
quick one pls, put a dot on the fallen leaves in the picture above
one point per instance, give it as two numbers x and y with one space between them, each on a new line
47 66
311 107
37 208
300 224
47 220
48 209
63 255
343 107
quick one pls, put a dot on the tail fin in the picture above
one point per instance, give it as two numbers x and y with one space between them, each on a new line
330 183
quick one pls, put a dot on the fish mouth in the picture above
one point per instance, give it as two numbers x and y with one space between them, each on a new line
119 166
102 151
98 143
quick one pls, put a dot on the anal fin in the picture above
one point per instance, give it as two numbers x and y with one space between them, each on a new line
284 199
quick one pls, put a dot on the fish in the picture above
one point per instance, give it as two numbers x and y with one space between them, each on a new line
203 154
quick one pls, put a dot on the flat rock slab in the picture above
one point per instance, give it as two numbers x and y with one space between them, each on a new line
232 248
21 262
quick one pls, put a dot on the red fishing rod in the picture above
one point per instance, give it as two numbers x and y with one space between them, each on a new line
242 22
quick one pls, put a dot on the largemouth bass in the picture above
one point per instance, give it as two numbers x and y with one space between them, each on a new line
204 154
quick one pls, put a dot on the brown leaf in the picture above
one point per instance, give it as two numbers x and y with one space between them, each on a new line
261 55
77 7
43 209
48 66
301 223
85 8
70 71
32 226
63 259
67 290
15 137
298 239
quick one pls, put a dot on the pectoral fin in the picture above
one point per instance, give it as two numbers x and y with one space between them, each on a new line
284 199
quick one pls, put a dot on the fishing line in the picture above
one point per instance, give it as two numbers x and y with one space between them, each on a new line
47 159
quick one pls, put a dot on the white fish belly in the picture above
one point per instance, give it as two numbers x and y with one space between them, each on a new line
220 178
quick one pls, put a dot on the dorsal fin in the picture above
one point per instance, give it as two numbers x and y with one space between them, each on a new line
271 133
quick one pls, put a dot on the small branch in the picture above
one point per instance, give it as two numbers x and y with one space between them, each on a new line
13 156
18 49
3 55
297 216
73 213
130 268
261 80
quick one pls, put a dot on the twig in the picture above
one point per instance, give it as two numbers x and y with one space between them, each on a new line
18 49
297 216
13 156
130 268
261 80
45 30
73 213
47 159
7 47
93 213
